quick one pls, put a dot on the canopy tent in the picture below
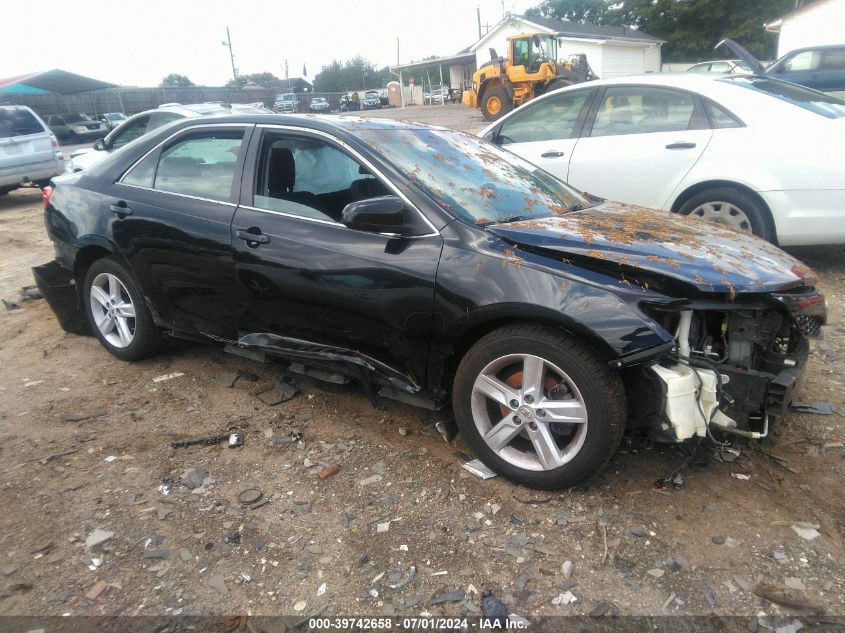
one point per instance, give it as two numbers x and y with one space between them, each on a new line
52 81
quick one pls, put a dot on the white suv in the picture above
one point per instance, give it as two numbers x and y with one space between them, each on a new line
29 152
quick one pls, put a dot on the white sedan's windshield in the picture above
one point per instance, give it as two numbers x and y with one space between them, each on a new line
472 179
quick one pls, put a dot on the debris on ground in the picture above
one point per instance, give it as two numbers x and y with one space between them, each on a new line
477 468
226 379
287 440
97 538
785 597
233 437
10 305
163 377
448 430
329 471
278 393
250 496
399 584
193 477
816 408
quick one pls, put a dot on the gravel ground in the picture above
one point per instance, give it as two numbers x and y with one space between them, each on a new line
84 451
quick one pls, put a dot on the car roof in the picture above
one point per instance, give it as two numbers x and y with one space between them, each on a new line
824 47
321 122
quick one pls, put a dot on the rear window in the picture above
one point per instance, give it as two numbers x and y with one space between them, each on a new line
14 122
812 100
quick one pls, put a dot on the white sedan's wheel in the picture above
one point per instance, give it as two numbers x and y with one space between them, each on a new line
113 310
723 213
541 424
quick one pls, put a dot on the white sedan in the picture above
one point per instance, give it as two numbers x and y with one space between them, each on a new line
752 152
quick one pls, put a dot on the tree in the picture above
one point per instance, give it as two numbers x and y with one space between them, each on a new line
262 79
691 28
355 74
592 11
177 80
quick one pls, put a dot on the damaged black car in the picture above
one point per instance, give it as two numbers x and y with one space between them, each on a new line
439 270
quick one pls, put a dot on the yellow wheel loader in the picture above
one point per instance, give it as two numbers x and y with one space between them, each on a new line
531 69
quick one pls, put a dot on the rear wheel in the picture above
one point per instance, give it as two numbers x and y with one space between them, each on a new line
731 207
116 310
538 407
495 103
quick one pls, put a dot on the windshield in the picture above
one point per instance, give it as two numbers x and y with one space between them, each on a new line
812 100
474 180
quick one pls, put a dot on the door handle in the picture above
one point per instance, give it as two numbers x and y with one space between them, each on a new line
551 154
252 235
120 209
680 146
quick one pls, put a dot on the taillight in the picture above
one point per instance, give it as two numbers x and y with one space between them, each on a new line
54 142
46 192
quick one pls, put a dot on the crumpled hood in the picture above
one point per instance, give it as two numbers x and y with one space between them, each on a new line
623 237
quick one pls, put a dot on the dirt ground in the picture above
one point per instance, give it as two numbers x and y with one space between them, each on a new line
84 447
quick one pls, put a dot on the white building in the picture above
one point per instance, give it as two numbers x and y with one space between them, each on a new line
612 51
816 23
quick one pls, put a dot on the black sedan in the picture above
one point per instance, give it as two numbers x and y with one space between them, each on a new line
439 270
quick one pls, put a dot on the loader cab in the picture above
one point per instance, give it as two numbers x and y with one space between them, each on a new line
531 51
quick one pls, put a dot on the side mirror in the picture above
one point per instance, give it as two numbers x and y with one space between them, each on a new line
100 144
385 214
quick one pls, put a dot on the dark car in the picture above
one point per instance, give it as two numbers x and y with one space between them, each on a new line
817 67
439 270
820 67
76 127
371 100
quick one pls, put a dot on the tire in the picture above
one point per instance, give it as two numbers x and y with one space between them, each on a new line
569 372
555 84
138 338
733 208
495 103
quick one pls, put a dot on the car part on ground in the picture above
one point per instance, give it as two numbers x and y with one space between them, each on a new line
440 270
531 68
751 152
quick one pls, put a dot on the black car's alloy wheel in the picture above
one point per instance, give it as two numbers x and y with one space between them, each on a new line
538 407
116 310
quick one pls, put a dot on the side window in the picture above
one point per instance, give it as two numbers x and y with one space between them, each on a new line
545 120
133 130
719 117
806 60
310 178
143 174
643 110
520 52
163 118
201 165
720 67
834 59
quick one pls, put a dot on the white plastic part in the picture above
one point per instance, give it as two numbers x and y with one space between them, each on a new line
682 333
683 412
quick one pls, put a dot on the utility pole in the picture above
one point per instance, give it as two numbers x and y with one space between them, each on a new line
397 51
478 15
228 44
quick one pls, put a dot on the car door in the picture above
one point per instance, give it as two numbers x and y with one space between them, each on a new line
332 292
833 70
170 216
545 132
639 143
802 67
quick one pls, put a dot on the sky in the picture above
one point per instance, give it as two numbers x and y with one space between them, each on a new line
138 42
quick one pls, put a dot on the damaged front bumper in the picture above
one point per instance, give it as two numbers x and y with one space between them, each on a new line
58 285
735 365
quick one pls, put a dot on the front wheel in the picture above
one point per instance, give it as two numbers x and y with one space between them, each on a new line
538 407
495 103
116 310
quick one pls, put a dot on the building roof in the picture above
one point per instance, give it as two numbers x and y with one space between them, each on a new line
57 81
464 57
580 29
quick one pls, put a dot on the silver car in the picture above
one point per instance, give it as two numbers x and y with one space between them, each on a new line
29 152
